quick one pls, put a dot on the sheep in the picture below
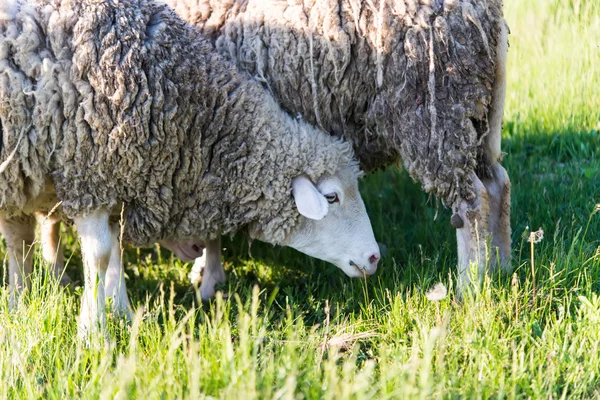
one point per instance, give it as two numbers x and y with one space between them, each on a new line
418 82
127 117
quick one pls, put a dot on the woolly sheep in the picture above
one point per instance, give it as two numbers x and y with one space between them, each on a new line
418 81
121 109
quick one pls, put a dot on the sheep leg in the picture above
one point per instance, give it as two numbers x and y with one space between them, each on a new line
115 281
498 189
19 233
498 184
97 241
483 232
213 270
196 272
472 236
483 228
52 249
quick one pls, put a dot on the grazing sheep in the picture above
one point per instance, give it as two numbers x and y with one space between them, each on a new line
418 81
121 109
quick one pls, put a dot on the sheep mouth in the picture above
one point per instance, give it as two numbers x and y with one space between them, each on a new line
358 267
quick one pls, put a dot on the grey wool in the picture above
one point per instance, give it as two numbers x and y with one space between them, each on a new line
403 80
120 103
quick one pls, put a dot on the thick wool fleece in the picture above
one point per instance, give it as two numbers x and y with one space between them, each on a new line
120 102
409 79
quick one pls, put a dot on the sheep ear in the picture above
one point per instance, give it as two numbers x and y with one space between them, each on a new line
310 202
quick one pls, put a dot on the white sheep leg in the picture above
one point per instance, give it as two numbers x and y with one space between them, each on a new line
96 244
498 184
498 190
213 271
52 249
472 236
115 281
483 228
196 272
19 233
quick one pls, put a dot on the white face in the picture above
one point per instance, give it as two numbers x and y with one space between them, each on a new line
335 227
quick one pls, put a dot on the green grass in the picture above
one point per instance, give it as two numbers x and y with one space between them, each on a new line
297 328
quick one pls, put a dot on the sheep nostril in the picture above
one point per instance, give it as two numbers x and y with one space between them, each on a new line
374 259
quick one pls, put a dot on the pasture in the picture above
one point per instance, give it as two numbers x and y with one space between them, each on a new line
294 327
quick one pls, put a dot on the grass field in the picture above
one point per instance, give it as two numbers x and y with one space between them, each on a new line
298 328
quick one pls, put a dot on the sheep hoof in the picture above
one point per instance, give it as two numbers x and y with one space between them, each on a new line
457 221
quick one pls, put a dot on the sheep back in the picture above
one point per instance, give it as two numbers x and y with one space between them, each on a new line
402 79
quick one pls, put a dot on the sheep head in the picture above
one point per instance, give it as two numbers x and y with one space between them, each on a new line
334 226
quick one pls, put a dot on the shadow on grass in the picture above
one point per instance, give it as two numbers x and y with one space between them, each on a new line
555 185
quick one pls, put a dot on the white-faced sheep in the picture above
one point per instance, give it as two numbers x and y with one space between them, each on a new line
421 81
120 108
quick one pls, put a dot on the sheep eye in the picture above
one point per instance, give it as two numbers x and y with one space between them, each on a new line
332 198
